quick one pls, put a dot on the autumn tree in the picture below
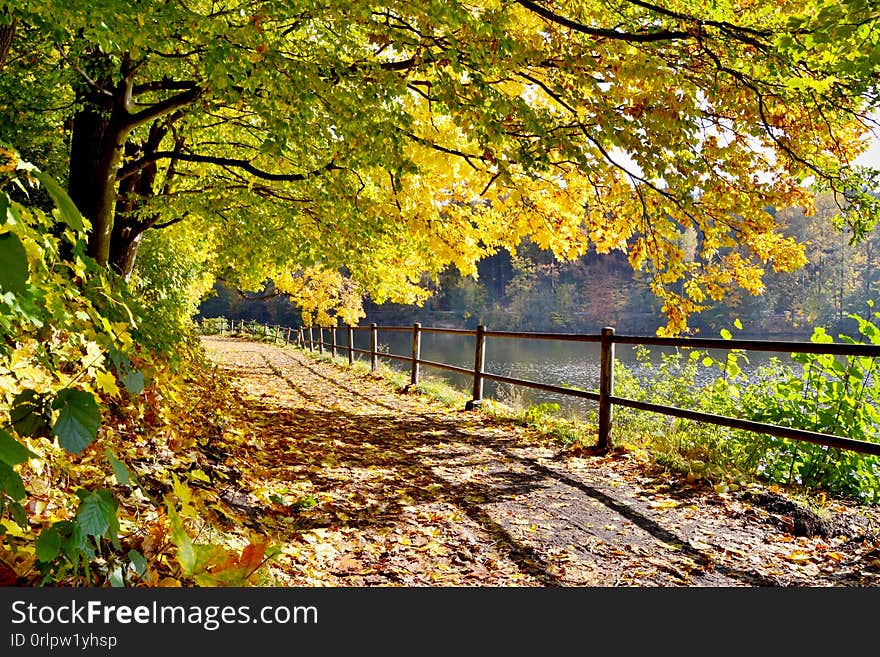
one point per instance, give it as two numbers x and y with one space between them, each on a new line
344 148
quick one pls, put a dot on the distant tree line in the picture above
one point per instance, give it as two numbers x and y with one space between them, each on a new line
531 290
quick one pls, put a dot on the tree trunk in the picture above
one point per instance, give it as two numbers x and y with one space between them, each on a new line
124 251
6 34
135 189
100 129
95 157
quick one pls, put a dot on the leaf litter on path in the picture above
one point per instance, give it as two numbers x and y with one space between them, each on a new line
359 484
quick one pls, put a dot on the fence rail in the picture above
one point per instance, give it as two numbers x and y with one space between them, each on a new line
305 338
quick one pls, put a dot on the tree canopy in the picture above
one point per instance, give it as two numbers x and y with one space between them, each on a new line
342 149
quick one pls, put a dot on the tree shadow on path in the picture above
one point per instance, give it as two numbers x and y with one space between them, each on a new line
379 463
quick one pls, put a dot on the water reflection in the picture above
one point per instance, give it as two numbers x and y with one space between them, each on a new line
561 363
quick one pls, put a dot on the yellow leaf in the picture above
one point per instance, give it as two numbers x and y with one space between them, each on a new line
663 504
435 549
199 475
183 495
699 545
799 556
107 382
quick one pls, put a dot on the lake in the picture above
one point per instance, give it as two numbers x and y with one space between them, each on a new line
560 363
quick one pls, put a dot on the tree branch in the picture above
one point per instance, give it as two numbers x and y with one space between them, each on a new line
225 162
163 107
166 84
443 149
604 33
6 33
90 81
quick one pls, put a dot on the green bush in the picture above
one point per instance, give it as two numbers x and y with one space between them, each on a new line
832 395
816 392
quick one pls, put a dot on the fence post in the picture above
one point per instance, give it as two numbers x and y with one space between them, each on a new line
606 388
333 341
320 339
479 362
287 337
374 345
350 346
311 339
416 354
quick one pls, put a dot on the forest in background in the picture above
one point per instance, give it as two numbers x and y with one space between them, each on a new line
533 291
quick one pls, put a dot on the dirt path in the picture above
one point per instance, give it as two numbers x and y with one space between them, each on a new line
365 486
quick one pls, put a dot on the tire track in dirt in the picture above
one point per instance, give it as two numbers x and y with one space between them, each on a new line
412 493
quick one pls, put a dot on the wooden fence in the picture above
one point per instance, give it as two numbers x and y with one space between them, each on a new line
314 338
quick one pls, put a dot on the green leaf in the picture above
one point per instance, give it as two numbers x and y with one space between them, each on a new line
138 562
117 581
8 210
727 335
97 512
72 537
79 419
738 324
11 483
70 214
133 380
27 415
123 476
12 451
14 272
185 553
48 544
19 515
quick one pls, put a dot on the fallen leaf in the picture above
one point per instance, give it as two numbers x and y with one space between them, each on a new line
699 545
8 576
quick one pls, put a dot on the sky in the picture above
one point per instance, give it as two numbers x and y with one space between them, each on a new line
872 156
